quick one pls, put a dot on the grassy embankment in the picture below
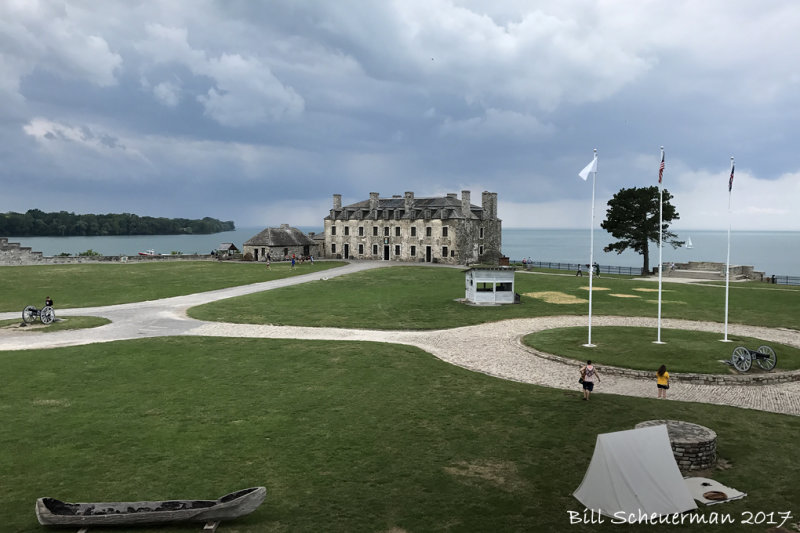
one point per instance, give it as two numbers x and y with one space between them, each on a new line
357 436
345 436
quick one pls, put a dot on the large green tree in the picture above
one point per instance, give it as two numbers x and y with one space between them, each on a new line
632 217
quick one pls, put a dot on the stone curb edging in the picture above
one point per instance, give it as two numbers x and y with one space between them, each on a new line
771 378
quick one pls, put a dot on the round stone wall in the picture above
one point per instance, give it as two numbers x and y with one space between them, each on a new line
694 446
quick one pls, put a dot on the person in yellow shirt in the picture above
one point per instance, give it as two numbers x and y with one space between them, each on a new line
662 381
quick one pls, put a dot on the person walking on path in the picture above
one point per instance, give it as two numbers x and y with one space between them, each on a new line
662 381
589 375
268 263
579 272
292 261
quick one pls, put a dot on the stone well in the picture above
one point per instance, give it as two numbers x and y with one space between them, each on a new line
694 446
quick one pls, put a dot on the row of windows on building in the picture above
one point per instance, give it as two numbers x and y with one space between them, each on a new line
386 231
412 250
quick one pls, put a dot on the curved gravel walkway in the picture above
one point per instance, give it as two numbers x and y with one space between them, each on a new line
493 349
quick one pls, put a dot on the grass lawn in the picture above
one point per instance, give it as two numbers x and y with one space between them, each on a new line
60 324
425 298
683 351
89 285
345 436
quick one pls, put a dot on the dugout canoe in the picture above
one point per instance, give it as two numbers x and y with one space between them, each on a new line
53 512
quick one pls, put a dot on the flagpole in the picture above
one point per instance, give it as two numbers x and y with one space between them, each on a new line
591 252
728 260
660 244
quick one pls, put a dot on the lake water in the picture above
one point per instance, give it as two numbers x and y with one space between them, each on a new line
770 252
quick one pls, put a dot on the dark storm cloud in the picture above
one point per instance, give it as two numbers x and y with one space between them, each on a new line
164 108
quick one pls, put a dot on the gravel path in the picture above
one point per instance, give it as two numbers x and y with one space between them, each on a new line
493 349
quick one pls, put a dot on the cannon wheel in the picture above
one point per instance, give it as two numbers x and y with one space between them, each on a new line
47 314
769 363
29 314
741 359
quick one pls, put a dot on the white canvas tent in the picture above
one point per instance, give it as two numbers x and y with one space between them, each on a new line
633 474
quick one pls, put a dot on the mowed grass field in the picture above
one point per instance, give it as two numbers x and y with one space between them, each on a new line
345 436
682 351
89 285
426 298
357 436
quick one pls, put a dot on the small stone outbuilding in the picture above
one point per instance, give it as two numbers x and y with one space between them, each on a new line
279 244
490 285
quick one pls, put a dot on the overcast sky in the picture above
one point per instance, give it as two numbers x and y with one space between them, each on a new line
259 112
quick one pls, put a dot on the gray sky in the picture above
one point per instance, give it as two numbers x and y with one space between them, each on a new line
259 112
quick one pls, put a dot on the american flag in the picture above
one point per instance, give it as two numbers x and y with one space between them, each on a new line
730 181
661 169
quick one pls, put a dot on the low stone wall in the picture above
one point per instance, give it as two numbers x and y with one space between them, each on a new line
73 260
736 271
12 254
694 446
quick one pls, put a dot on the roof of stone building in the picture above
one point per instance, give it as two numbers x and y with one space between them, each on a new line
283 236
441 207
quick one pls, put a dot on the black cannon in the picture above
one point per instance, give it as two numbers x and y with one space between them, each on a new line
742 358
46 314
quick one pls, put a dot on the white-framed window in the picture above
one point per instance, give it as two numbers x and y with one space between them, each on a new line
374 249
361 231
374 231
333 230
444 231
397 231
386 231
396 249
428 231
333 248
360 249
347 230
413 231
480 250
444 251
481 233
413 251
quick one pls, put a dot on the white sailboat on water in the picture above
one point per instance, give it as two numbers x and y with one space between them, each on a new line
689 244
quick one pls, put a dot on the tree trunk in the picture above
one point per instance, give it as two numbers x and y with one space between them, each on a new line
646 254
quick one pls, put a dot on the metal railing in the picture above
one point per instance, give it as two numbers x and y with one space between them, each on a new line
604 269
785 280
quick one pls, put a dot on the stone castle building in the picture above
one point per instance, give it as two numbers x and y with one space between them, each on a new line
444 229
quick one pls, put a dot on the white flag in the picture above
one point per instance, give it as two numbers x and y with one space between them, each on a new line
591 167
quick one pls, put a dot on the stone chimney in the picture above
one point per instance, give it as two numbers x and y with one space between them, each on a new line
337 201
409 201
489 201
373 201
465 205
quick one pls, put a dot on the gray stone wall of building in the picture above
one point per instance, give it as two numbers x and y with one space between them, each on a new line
276 253
404 228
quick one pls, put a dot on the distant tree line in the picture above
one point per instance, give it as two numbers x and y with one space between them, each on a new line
37 223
